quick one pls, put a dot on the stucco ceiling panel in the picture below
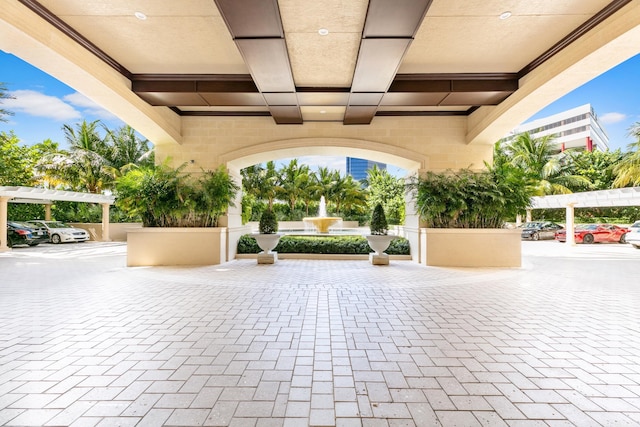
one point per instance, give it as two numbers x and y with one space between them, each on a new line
517 7
453 45
337 16
204 44
129 7
323 60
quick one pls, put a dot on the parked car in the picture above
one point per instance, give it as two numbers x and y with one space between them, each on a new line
596 233
19 233
60 232
538 230
18 236
633 236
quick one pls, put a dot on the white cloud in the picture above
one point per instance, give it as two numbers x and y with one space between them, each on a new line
40 105
613 117
88 107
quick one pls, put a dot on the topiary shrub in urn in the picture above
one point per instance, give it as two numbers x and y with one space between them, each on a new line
267 238
379 239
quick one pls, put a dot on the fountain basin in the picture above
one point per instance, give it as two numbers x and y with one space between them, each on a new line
322 223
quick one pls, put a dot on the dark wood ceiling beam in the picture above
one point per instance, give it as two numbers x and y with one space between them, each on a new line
394 18
389 29
256 28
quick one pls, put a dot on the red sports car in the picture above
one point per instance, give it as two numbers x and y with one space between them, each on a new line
596 233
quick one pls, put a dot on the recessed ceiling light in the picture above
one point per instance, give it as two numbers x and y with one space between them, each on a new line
505 15
141 16
323 111
323 31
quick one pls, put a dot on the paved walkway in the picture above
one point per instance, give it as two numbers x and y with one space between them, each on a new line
85 341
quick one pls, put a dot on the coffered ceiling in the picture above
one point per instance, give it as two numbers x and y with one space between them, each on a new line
324 60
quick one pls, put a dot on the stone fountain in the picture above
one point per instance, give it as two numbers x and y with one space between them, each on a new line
322 222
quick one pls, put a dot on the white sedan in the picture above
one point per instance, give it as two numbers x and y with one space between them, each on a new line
60 232
633 236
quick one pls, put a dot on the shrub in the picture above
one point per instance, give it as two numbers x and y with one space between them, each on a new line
356 245
467 199
166 197
268 222
379 224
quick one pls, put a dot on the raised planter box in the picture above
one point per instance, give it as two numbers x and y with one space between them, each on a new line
176 246
117 230
467 247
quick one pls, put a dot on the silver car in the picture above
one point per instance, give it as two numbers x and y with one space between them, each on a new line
60 232
633 236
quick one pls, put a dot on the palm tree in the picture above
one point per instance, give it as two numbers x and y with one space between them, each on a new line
293 179
628 170
548 173
351 197
4 95
86 165
127 150
261 182
327 183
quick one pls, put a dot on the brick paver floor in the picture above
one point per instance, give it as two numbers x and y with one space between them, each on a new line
85 341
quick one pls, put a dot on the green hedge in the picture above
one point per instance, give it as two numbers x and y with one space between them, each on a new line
322 245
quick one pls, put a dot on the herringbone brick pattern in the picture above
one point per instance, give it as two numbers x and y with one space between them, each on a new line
85 341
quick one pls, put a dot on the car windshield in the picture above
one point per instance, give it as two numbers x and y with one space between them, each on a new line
636 224
587 227
57 224
21 224
531 225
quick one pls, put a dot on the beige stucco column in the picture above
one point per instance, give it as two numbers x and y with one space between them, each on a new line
4 207
528 216
570 225
518 220
47 212
106 237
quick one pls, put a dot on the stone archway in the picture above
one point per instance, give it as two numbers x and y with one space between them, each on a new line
406 159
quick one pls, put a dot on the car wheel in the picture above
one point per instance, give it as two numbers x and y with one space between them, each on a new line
55 239
587 239
623 238
535 236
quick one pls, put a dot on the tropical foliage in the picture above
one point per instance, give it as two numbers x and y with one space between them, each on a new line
93 162
4 95
293 191
166 197
627 171
468 199
547 172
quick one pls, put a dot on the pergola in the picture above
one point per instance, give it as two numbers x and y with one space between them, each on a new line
589 199
46 197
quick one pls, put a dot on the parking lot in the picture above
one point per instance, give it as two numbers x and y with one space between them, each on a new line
87 341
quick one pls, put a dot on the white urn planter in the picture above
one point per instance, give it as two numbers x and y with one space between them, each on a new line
267 242
379 243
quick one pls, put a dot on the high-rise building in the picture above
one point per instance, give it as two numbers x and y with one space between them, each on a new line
578 128
358 168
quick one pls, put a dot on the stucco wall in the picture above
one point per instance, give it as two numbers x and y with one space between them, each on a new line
429 143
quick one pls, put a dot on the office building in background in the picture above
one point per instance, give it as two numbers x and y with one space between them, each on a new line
577 128
358 168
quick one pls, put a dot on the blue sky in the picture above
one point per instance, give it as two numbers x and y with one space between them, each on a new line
42 105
